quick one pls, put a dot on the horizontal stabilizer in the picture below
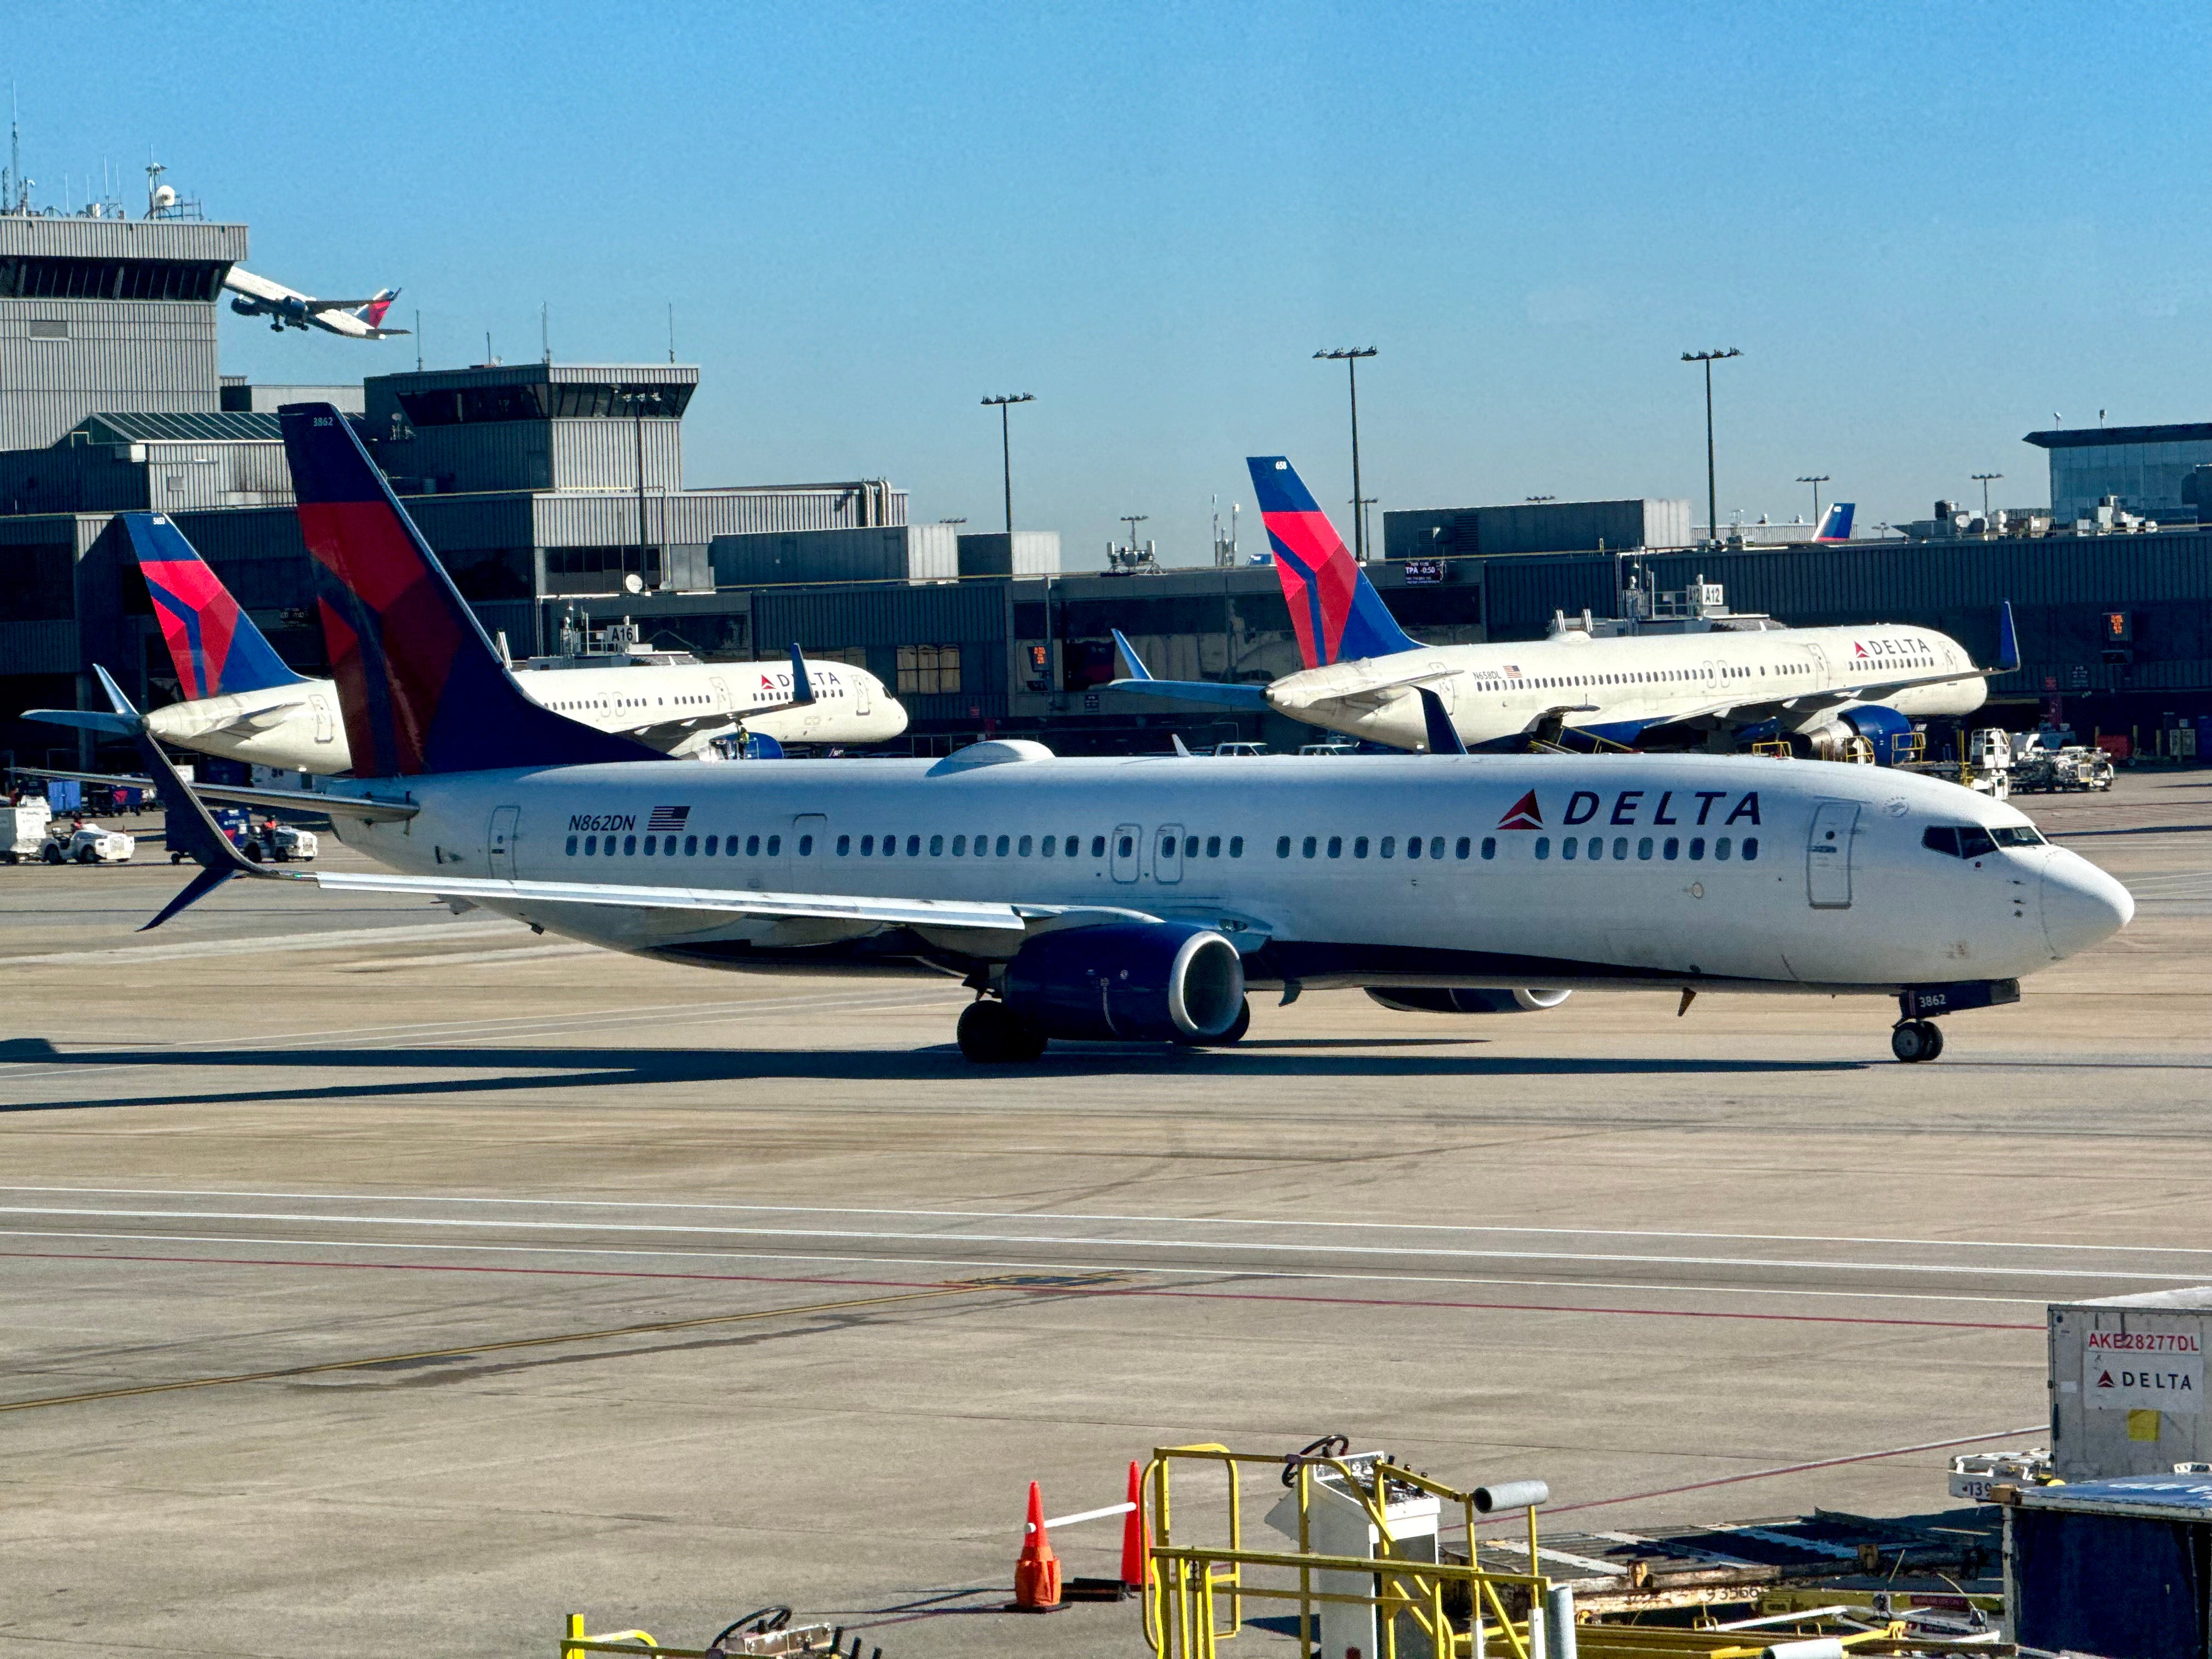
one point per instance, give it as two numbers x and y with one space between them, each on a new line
85 720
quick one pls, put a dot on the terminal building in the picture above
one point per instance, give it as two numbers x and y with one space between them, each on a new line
554 489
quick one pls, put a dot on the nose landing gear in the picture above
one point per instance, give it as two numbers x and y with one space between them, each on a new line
1916 1039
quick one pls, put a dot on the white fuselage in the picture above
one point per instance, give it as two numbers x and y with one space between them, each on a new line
1500 691
679 708
1694 870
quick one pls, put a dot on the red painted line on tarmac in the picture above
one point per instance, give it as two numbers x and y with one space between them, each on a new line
1052 1290
1797 1468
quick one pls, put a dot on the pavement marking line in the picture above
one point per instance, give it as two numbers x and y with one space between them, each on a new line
1133 1291
487 1348
1053 1215
114 956
1797 1468
1133 1244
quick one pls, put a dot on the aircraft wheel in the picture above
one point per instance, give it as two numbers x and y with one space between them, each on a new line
1917 1041
992 1034
1234 1034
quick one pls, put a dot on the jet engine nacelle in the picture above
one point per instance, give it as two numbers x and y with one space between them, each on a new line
1878 723
1130 982
1439 1000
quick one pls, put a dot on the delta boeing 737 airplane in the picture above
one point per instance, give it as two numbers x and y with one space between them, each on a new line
1822 686
1141 900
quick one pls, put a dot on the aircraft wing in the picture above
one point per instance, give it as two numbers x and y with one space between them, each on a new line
112 779
345 323
667 734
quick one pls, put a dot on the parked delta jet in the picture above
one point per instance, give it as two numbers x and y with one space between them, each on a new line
357 320
1822 685
1140 899
240 702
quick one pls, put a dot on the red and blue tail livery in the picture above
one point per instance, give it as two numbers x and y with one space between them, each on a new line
217 649
1334 608
422 688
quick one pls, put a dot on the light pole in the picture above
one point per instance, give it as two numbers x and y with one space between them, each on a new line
1815 479
1712 489
1982 480
1007 446
1350 357
637 398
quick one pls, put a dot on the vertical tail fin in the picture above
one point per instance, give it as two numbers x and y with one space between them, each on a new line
1334 608
421 687
373 313
214 646
1837 525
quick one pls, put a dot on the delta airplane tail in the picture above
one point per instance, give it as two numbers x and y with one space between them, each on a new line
373 313
421 687
214 646
1837 525
1334 608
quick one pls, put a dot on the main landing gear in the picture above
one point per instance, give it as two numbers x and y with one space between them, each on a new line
992 1034
1916 1039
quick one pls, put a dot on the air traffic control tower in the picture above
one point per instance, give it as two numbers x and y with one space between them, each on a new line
107 316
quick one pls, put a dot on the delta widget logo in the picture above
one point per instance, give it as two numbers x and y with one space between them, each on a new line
1525 814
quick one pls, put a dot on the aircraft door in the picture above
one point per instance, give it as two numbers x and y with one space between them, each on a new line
805 846
722 703
503 837
861 682
1820 672
1129 851
1828 856
321 706
1167 854
1444 688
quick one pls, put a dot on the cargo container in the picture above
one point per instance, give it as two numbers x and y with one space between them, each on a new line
2127 1383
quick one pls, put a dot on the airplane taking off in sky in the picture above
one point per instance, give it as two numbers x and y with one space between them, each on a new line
1823 686
1140 899
285 307
239 701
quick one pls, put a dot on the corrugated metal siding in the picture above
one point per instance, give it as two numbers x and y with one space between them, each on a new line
811 556
603 454
38 648
121 239
1537 527
121 355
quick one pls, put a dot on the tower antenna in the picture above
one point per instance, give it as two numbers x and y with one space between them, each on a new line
544 331
672 331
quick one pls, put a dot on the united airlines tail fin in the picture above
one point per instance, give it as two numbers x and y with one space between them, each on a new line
422 688
1334 608
1837 525
214 646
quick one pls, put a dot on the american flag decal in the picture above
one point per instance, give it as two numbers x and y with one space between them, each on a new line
666 817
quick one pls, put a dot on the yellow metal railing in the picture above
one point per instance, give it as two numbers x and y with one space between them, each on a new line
1186 1583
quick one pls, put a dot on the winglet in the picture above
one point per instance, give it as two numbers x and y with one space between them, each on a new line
219 859
1133 666
802 689
1443 739
2008 642
1182 748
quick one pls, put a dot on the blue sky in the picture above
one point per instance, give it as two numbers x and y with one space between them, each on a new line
1929 228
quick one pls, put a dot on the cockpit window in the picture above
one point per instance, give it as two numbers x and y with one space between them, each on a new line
1970 840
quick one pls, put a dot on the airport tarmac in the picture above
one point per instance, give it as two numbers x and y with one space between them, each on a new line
375 1277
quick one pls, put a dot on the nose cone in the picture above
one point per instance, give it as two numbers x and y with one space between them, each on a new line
2081 905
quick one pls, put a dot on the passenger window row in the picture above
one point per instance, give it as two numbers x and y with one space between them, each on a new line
1387 847
751 847
1593 847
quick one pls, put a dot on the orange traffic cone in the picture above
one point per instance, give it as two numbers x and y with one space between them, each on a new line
1037 1574
1134 1545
